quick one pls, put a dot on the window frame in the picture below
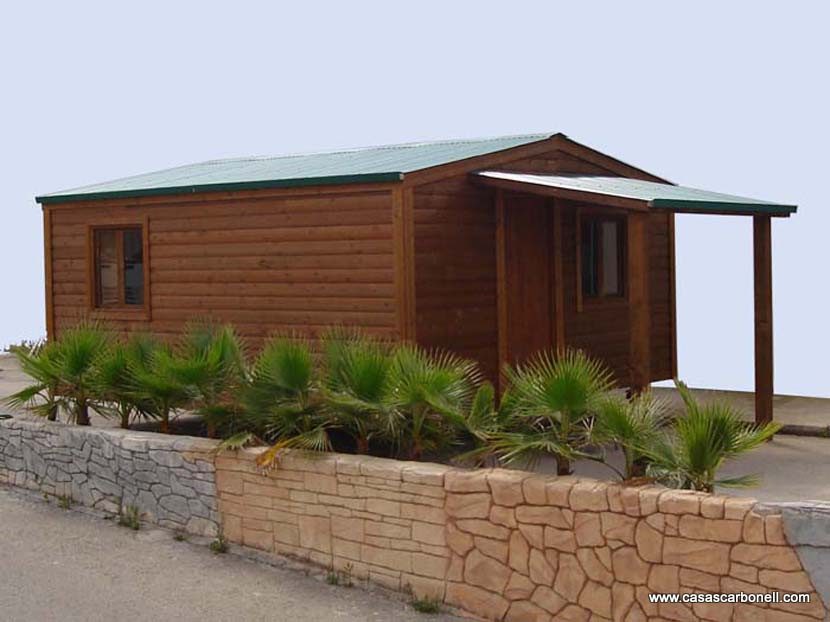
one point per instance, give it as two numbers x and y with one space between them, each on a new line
120 311
586 215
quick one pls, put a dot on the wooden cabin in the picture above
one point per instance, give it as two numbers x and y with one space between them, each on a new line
490 248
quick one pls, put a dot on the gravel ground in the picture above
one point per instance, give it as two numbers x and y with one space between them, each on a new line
70 566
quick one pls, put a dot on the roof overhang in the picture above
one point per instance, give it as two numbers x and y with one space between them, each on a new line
632 194
301 182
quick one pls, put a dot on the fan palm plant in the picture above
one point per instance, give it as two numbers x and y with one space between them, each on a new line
220 353
634 425
357 387
38 363
549 408
114 384
483 419
702 440
164 382
281 400
78 352
431 391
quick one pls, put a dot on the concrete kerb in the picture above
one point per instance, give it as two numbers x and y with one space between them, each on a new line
807 527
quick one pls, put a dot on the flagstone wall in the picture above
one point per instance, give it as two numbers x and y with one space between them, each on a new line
510 545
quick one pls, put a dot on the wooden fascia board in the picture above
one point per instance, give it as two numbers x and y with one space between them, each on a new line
705 212
230 196
488 160
562 193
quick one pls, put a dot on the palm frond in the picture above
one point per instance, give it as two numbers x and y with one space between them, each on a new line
741 481
240 440
702 440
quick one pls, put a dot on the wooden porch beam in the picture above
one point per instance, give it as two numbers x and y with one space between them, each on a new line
580 196
762 256
638 301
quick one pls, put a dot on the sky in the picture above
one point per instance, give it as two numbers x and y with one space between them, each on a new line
727 96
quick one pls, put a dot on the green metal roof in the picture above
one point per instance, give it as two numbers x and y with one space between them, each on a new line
367 165
656 195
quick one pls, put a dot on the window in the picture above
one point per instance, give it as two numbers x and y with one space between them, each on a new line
118 268
602 247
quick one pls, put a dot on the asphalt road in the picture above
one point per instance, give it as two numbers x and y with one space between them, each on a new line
66 565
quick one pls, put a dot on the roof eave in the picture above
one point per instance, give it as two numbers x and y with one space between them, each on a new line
723 207
300 182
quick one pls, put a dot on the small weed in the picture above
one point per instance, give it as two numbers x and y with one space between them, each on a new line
130 517
340 577
346 575
180 536
427 604
219 545
64 502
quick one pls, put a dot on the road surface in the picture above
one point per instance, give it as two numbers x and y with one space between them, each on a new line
65 565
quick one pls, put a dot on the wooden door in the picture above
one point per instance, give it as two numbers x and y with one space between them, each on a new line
527 286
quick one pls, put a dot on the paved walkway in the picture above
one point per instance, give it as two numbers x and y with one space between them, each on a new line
789 410
790 468
69 566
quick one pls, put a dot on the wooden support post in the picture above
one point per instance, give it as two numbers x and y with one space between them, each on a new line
501 284
557 277
762 254
638 301
404 247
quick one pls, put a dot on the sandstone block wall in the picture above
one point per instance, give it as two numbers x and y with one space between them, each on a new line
375 519
509 545
169 479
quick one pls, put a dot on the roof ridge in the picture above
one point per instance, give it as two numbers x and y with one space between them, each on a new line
302 154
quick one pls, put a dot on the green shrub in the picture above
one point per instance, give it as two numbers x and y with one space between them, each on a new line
221 357
549 409
634 425
63 372
79 351
281 400
114 383
432 391
41 397
395 399
357 387
697 445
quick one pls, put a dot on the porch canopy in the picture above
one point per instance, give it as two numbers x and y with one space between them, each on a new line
633 194
639 197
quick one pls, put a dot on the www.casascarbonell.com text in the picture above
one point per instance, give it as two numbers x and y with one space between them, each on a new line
731 598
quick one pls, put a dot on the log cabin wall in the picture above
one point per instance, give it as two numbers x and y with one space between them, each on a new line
265 260
456 273
418 260
455 270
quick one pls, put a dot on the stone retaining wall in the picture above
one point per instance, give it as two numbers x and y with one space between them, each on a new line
169 479
500 544
509 545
